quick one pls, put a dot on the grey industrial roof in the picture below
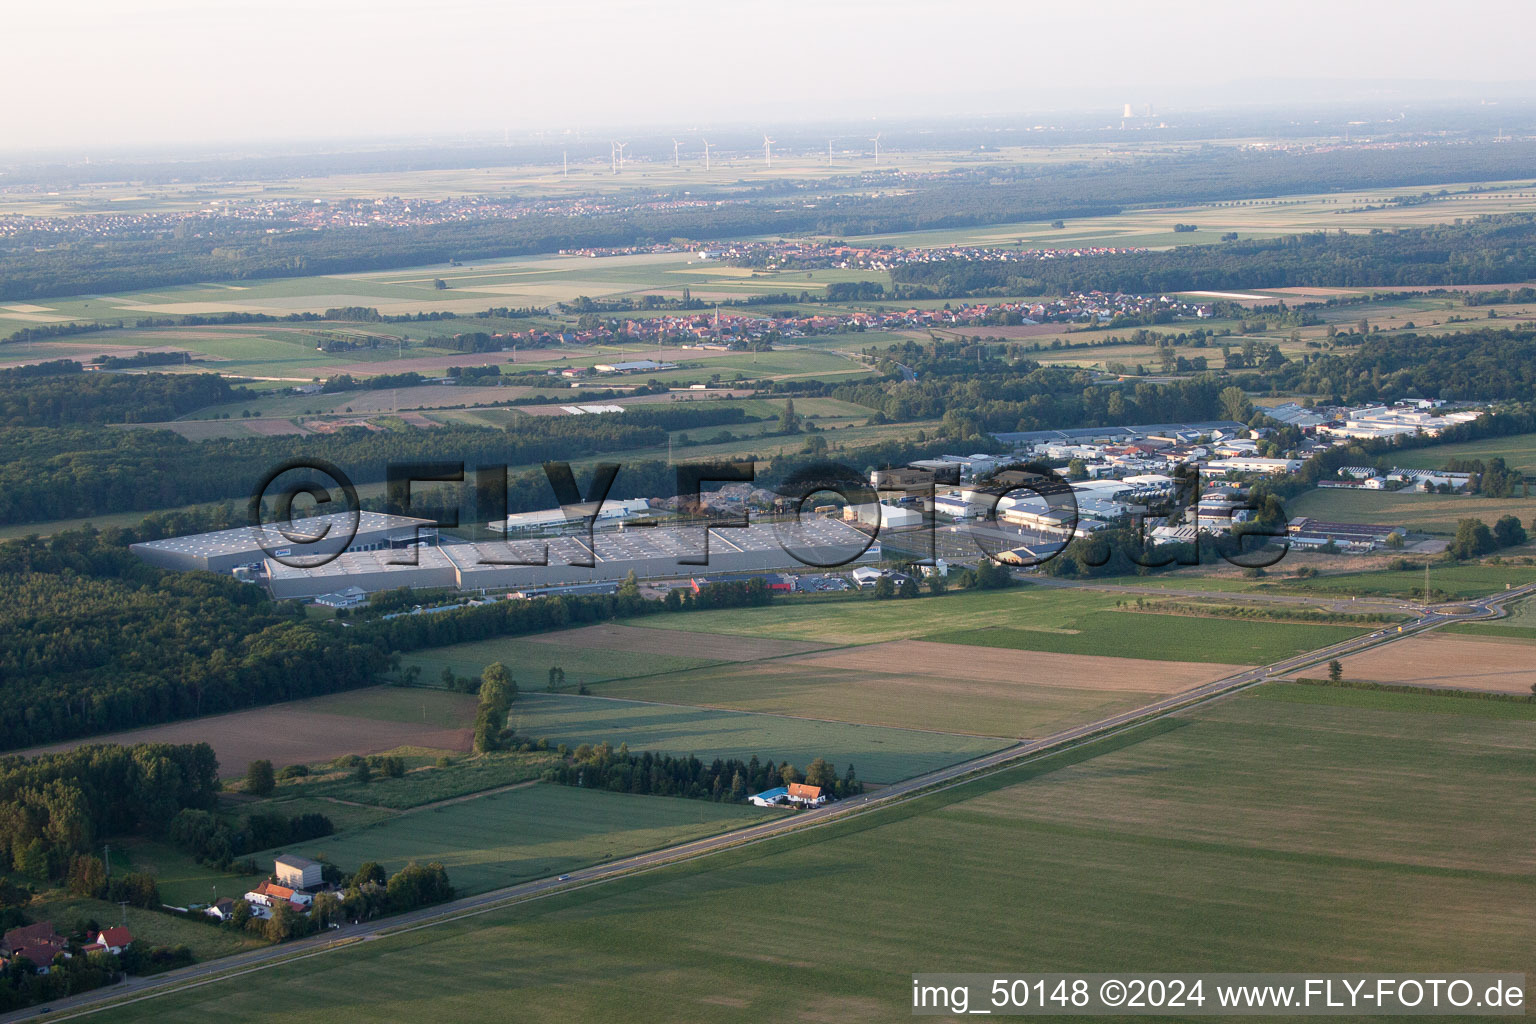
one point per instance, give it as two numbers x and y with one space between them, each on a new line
1136 430
246 539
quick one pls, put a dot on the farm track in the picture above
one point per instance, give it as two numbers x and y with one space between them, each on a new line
137 989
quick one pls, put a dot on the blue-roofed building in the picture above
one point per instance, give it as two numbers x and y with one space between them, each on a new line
771 797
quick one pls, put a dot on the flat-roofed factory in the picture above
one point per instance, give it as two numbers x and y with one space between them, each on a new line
386 555
227 550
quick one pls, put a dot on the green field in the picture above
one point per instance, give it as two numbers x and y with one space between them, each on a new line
424 782
1164 638
181 879
399 704
878 754
869 621
1255 834
1518 623
1428 703
972 693
1068 621
1473 579
503 838
1419 513
531 660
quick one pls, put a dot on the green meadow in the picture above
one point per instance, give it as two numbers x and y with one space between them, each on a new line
1254 834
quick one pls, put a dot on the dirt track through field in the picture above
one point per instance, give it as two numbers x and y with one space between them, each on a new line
677 642
1450 661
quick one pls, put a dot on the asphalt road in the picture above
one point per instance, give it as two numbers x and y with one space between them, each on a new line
205 973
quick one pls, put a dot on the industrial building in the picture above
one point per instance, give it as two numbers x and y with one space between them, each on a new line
649 552
888 517
546 519
225 550
368 571
1311 533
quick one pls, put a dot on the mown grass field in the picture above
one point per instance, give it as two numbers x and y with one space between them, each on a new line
503 838
1256 834
877 754
531 660
1077 621
1419 513
916 685
1164 637
424 782
181 879
1466 580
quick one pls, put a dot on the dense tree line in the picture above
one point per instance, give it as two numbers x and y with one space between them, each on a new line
92 639
620 771
1484 250
59 470
81 471
213 840
978 391
55 807
69 397
1486 364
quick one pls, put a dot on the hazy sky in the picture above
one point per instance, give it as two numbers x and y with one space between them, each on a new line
84 73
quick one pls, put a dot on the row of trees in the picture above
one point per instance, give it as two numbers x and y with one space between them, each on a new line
211 839
497 692
621 771
1474 539
1483 250
68 397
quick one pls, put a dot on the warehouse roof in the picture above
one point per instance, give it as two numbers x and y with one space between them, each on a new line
248 539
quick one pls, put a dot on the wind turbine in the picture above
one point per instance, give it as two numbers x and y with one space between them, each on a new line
767 151
674 154
876 141
619 148
613 156
706 154
829 152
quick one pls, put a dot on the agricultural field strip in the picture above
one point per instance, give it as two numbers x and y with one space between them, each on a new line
1332 604
955 775
793 718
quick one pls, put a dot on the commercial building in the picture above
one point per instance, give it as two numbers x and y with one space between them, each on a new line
1312 533
225 550
634 366
546 519
366 571
649 552
1221 467
888 517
